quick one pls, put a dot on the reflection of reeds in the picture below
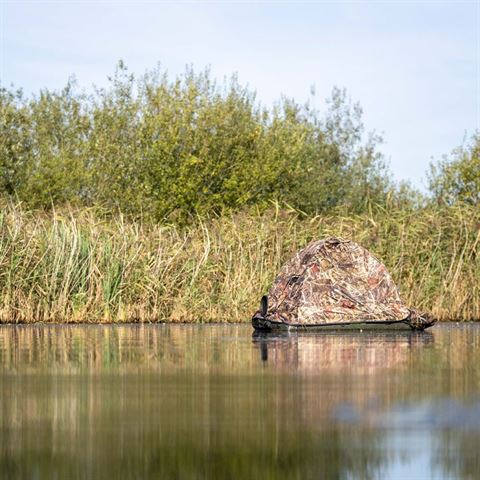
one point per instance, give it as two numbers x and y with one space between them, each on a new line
75 267
96 348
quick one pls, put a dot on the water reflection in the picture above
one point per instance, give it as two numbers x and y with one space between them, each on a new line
217 402
316 352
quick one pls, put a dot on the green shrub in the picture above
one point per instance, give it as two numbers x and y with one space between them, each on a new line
173 149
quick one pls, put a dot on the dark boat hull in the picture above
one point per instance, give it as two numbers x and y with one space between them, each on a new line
268 326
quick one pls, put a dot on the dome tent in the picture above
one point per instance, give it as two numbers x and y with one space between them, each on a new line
335 283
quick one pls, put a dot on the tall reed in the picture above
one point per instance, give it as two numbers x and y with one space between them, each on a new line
76 266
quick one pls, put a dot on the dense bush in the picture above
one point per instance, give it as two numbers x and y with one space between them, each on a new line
166 148
457 178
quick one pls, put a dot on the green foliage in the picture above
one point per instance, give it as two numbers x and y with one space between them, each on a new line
15 140
161 148
458 178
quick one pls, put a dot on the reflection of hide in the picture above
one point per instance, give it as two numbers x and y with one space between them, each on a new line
342 351
322 372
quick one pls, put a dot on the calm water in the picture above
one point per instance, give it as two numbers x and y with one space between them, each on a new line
218 402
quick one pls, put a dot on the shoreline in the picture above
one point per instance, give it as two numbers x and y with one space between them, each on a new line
190 323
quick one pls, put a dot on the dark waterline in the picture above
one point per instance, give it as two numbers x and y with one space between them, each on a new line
215 401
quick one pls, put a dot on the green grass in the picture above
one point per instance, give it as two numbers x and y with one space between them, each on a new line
76 266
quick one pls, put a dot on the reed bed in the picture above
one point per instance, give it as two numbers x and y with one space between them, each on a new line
76 266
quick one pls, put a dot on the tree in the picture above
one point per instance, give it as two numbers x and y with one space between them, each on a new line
175 148
457 178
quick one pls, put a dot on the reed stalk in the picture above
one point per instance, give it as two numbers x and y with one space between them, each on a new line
76 266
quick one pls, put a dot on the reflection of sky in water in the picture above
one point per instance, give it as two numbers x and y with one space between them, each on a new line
433 414
218 402
413 458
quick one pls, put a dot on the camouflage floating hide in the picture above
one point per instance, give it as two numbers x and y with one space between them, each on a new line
335 282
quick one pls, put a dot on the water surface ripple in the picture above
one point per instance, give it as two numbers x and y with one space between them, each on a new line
216 401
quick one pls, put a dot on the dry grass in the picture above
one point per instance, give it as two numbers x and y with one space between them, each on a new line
74 266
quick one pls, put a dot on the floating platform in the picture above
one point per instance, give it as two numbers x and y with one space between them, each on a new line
262 325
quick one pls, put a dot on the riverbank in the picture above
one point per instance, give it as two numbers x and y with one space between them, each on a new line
78 266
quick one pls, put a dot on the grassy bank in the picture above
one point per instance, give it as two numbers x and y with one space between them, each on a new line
75 266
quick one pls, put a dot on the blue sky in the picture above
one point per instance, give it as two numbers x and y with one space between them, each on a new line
413 66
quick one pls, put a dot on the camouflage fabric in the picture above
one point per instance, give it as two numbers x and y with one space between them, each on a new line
334 281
